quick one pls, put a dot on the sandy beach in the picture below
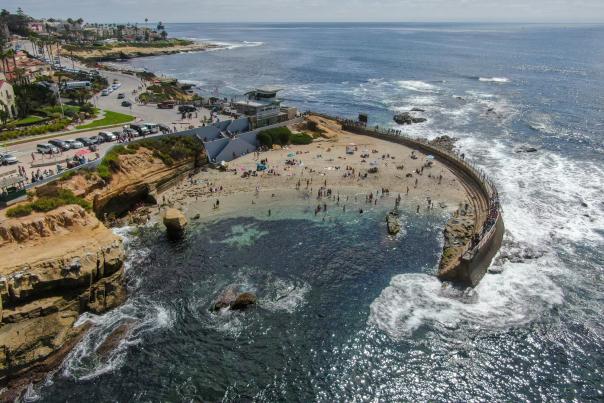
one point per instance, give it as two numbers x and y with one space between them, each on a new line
296 174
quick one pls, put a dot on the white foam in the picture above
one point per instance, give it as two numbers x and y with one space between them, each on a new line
500 80
285 296
415 85
82 362
512 298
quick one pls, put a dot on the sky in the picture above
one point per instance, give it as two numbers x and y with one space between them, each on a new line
564 11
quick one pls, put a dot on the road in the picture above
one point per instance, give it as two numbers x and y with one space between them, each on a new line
31 160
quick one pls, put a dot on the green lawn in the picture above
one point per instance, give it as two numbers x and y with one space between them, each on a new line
111 118
29 120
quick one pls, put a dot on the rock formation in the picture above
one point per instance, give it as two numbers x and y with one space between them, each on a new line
405 118
59 264
234 299
392 222
175 222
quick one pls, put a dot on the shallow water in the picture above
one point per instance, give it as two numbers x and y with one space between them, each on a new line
364 321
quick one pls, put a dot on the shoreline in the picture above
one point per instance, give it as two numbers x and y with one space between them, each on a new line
131 52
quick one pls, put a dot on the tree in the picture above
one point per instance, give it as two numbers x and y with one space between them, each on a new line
164 35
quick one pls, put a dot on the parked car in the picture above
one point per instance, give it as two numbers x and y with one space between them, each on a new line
47 149
104 93
164 128
85 141
126 104
166 105
8 159
141 129
116 86
74 144
96 139
152 127
107 136
62 145
186 108
121 95
130 132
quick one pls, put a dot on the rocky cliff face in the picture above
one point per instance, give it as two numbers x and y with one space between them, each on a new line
55 266
140 176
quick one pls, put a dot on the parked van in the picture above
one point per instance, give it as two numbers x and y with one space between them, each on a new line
153 127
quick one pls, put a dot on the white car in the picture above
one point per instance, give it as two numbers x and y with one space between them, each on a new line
104 93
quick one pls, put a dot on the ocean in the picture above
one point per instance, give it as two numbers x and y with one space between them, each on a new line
347 313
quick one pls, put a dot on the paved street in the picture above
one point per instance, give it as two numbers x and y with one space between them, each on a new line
148 113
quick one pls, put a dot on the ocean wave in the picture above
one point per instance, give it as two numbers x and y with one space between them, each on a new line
138 317
415 85
514 297
494 79
234 45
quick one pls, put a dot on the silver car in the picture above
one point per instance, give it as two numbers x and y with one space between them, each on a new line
47 149
74 144
8 159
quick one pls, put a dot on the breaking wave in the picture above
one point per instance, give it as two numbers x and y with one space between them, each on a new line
418 86
494 79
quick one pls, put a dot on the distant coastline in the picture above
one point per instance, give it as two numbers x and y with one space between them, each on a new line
130 51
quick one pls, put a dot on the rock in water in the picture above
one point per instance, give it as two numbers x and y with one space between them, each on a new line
233 299
175 222
394 226
405 118
243 301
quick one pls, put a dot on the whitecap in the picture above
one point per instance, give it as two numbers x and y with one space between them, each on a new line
494 79
416 85
514 297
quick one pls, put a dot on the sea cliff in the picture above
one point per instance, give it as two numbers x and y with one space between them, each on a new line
57 265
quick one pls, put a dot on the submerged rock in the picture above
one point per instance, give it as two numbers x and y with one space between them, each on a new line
175 222
243 301
234 299
525 149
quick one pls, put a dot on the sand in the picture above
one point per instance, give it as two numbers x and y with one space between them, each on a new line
323 163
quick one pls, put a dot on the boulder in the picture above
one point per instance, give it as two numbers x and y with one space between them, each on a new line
234 299
243 301
175 222
405 118
525 149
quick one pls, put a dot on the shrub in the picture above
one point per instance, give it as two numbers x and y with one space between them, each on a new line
49 197
279 135
20 210
265 139
300 138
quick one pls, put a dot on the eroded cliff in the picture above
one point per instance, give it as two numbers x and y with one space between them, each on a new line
54 267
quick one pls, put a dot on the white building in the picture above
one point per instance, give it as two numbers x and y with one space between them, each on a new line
7 97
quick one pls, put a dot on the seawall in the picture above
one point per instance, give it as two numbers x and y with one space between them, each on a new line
468 263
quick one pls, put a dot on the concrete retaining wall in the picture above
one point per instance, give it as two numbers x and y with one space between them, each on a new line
474 263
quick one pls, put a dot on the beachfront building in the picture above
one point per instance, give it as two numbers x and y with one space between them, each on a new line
7 98
263 108
25 69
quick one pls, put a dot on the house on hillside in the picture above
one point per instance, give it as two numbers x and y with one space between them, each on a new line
7 98
264 108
